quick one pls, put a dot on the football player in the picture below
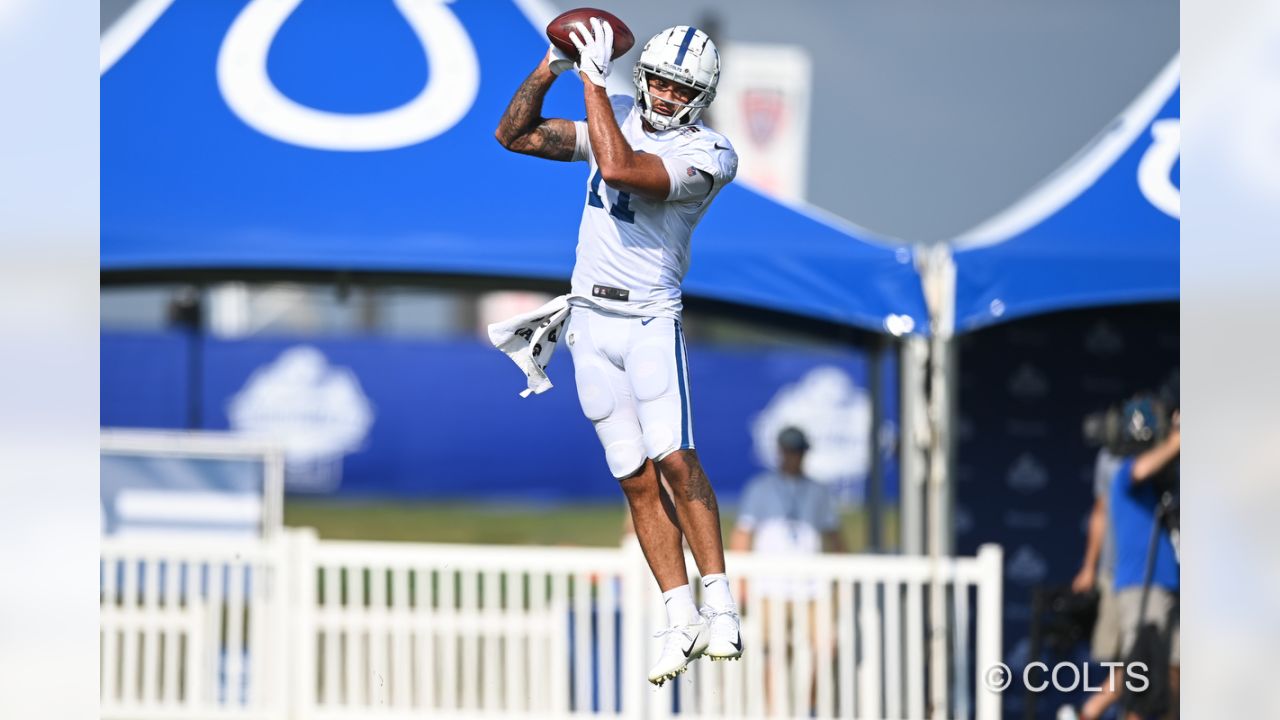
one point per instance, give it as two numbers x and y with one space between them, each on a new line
653 170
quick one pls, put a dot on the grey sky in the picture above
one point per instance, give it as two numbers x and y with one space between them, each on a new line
928 115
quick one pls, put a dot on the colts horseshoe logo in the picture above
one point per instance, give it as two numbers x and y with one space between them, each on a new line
1155 170
449 92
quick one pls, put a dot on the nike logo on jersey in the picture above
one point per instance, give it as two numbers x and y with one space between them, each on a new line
646 321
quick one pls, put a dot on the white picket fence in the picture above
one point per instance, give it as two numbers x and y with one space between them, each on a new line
300 629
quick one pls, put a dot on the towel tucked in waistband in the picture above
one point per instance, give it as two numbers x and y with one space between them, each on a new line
530 339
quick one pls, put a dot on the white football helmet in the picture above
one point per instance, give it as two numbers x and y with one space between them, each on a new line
681 54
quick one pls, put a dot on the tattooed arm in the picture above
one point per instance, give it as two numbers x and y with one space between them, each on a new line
522 128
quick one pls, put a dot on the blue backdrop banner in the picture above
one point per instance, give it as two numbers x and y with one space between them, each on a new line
1024 474
373 416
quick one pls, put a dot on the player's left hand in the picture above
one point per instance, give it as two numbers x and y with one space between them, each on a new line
595 48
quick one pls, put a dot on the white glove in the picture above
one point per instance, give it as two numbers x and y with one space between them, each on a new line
595 49
557 61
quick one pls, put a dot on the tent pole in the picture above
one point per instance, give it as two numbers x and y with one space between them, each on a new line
915 438
875 476
939 289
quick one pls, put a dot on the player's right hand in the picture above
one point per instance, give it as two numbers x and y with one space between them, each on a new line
595 48
557 61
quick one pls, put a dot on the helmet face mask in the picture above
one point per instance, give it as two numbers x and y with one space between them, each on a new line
686 112
682 55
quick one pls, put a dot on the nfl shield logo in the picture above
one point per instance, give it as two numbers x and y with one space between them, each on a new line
762 108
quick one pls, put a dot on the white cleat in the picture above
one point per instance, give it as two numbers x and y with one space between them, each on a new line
725 634
683 644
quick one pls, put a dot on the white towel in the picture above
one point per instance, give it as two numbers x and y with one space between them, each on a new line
530 339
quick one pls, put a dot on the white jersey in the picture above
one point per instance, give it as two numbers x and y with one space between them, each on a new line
633 253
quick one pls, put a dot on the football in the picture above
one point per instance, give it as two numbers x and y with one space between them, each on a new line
558 31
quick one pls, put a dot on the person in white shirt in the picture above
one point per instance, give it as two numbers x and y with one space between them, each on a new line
653 170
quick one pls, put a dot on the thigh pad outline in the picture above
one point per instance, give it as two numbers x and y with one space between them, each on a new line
594 393
649 367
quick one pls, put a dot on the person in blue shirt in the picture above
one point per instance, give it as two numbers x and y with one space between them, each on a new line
1133 501
785 512
1135 498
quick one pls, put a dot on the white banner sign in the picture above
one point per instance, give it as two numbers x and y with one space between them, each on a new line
762 106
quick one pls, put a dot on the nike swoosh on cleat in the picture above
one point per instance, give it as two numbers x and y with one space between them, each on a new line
718 147
738 644
691 644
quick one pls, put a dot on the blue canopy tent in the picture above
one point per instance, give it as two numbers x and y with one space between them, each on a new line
1101 231
304 137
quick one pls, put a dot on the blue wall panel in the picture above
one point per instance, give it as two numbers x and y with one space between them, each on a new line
447 420
144 379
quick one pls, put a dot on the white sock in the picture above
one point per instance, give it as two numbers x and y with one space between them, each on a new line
715 592
680 607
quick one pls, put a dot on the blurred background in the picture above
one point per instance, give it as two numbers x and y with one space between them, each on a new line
953 239
893 107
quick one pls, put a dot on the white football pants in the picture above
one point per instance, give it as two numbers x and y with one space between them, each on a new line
633 385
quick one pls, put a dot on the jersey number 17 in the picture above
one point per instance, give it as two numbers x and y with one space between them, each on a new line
620 209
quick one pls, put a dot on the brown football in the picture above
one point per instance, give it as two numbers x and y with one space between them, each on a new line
558 31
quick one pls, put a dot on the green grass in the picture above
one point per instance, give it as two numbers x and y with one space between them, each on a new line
598 525
460 522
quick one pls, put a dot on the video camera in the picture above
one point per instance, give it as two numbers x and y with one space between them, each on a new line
1130 427
1136 424
1133 427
